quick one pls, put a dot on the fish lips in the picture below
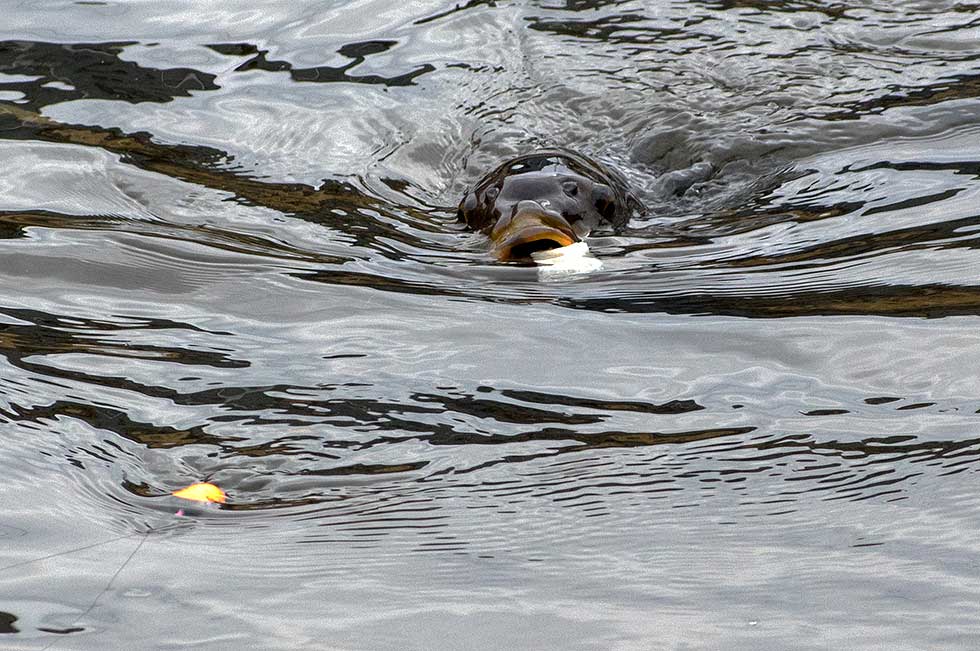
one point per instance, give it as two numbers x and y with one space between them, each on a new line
529 231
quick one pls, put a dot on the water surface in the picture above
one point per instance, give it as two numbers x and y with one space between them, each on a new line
229 252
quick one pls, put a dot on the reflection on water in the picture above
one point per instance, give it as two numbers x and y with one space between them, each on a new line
230 254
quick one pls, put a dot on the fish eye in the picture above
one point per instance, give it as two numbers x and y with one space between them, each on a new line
570 188
491 193
602 197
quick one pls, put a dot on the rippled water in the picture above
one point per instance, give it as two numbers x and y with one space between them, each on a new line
230 253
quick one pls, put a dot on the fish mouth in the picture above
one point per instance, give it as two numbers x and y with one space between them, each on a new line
529 232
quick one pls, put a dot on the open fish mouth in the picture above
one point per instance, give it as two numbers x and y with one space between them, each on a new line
529 232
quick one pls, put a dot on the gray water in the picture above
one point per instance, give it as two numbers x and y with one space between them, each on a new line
229 253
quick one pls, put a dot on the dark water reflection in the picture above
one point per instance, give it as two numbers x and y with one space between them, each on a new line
229 253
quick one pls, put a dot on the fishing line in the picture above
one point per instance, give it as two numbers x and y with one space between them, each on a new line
108 585
69 551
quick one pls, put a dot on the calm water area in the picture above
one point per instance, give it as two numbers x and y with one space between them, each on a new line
229 252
